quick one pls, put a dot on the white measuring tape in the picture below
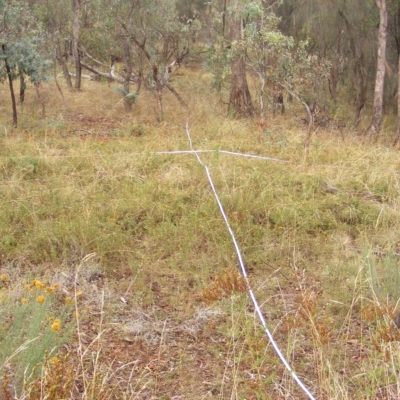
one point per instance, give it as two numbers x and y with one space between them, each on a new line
244 270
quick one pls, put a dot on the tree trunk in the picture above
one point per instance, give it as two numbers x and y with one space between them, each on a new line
223 19
57 84
335 70
128 63
22 88
10 83
240 100
359 70
63 64
41 100
375 126
158 86
75 43
397 138
361 90
140 74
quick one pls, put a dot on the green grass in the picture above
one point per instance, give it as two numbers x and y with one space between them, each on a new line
323 263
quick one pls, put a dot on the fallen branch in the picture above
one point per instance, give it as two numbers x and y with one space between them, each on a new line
109 75
82 76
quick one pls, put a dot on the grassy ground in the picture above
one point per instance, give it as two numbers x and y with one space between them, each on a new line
131 255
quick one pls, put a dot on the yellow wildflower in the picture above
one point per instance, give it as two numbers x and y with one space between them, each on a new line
27 286
68 299
49 289
55 326
40 299
54 361
4 278
24 300
38 284
56 286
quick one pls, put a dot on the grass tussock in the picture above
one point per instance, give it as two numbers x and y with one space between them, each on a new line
162 312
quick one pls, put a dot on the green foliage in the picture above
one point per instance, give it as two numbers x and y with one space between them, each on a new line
130 97
246 9
272 56
384 274
279 60
217 62
21 41
34 326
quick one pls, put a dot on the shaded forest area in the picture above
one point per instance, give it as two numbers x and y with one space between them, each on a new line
323 54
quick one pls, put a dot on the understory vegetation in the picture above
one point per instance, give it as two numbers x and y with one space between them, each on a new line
119 279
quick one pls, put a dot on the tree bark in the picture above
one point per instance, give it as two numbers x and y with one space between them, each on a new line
224 19
128 64
240 100
109 75
335 70
359 70
11 86
75 43
22 88
397 138
64 67
376 123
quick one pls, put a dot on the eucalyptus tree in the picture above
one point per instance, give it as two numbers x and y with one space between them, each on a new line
228 52
283 64
20 39
319 23
56 28
161 38
395 13
380 70
148 37
76 28
240 102
343 32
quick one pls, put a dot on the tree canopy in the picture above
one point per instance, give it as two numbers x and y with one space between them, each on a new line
320 52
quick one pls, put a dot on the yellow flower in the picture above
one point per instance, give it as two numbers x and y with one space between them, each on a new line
55 326
68 300
2 296
27 287
56 286
4 278
38 284
54 361
24 300
50 289
40 299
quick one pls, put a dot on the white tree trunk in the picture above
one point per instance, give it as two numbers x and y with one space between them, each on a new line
380 71
75 43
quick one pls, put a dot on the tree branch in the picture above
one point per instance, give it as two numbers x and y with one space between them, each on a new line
170 88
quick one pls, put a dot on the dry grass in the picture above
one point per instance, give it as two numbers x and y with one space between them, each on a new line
163 315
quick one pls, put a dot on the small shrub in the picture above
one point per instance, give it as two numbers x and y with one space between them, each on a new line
225 283
35 323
